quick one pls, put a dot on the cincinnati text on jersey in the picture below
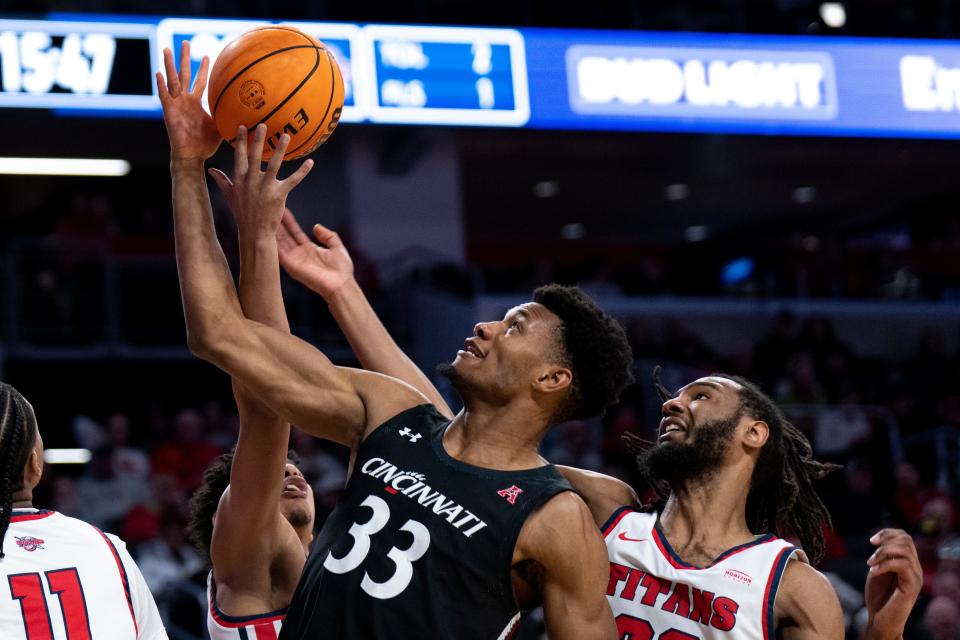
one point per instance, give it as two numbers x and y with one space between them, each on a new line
411 484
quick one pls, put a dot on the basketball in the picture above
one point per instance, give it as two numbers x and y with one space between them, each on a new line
282 77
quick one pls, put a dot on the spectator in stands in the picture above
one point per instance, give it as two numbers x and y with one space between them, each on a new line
942 619
103 497
188 454
169 558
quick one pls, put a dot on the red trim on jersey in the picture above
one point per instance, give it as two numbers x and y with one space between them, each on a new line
31 516
123 577
513 632
615 519
766 620
265 631
234 622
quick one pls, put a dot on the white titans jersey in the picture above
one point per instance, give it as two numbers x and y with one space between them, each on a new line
655 594
220 626
64 579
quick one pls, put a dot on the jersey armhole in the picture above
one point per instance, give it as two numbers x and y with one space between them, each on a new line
770 592
615 519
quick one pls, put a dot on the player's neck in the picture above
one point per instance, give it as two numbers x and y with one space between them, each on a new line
496 438
22 500
708 513
305 533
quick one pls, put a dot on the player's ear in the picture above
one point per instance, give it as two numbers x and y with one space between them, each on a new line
552 379
756 434
34 468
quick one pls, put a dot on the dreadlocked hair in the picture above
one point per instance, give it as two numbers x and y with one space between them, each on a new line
206 499
18 433
782 498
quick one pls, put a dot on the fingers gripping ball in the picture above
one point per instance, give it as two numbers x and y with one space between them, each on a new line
282 77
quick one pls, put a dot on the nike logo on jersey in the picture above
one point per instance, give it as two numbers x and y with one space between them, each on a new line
405 432
623 536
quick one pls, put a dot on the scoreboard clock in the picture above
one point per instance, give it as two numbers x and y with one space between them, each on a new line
76 65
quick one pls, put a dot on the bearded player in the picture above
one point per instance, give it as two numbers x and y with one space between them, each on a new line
705 561
739 469
446 528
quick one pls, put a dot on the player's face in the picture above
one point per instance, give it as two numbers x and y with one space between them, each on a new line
296 498
696 432
502 357
696 406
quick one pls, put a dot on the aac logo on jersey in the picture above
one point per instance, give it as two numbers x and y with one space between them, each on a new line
29 543
510 493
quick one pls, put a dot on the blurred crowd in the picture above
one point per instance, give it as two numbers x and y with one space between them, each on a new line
894 426
93 274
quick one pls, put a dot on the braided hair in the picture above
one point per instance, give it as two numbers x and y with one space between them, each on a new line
782 498
18 433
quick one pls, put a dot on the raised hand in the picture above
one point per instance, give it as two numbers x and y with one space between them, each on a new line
323 267
256 197
192 132
893 583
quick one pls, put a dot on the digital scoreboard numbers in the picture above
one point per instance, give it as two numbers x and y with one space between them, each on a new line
446 75
210 37
75 65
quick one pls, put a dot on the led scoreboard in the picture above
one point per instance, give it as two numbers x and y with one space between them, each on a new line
447 75
84 64
76 65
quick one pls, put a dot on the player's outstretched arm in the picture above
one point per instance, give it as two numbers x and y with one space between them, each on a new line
569 568
893 584
248 513
807 607
297 381
325 267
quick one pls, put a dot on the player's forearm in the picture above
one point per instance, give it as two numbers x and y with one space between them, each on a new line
372 343
260 294
206 285
261 300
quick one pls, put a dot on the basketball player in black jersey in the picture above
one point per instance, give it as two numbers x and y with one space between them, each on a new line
446 529
807 605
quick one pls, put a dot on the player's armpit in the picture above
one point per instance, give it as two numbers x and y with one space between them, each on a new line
807 606
603 494
563 540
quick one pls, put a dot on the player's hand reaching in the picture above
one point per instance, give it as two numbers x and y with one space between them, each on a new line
192 132
256 197
893 583
323 267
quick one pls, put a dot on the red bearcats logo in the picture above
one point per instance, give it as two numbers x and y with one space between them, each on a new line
510 494
29 543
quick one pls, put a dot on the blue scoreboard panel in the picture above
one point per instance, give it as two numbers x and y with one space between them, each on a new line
446 75
84 64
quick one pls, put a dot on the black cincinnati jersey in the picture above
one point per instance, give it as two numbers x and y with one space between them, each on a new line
420 544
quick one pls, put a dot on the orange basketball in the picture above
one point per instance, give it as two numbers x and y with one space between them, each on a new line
282 77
